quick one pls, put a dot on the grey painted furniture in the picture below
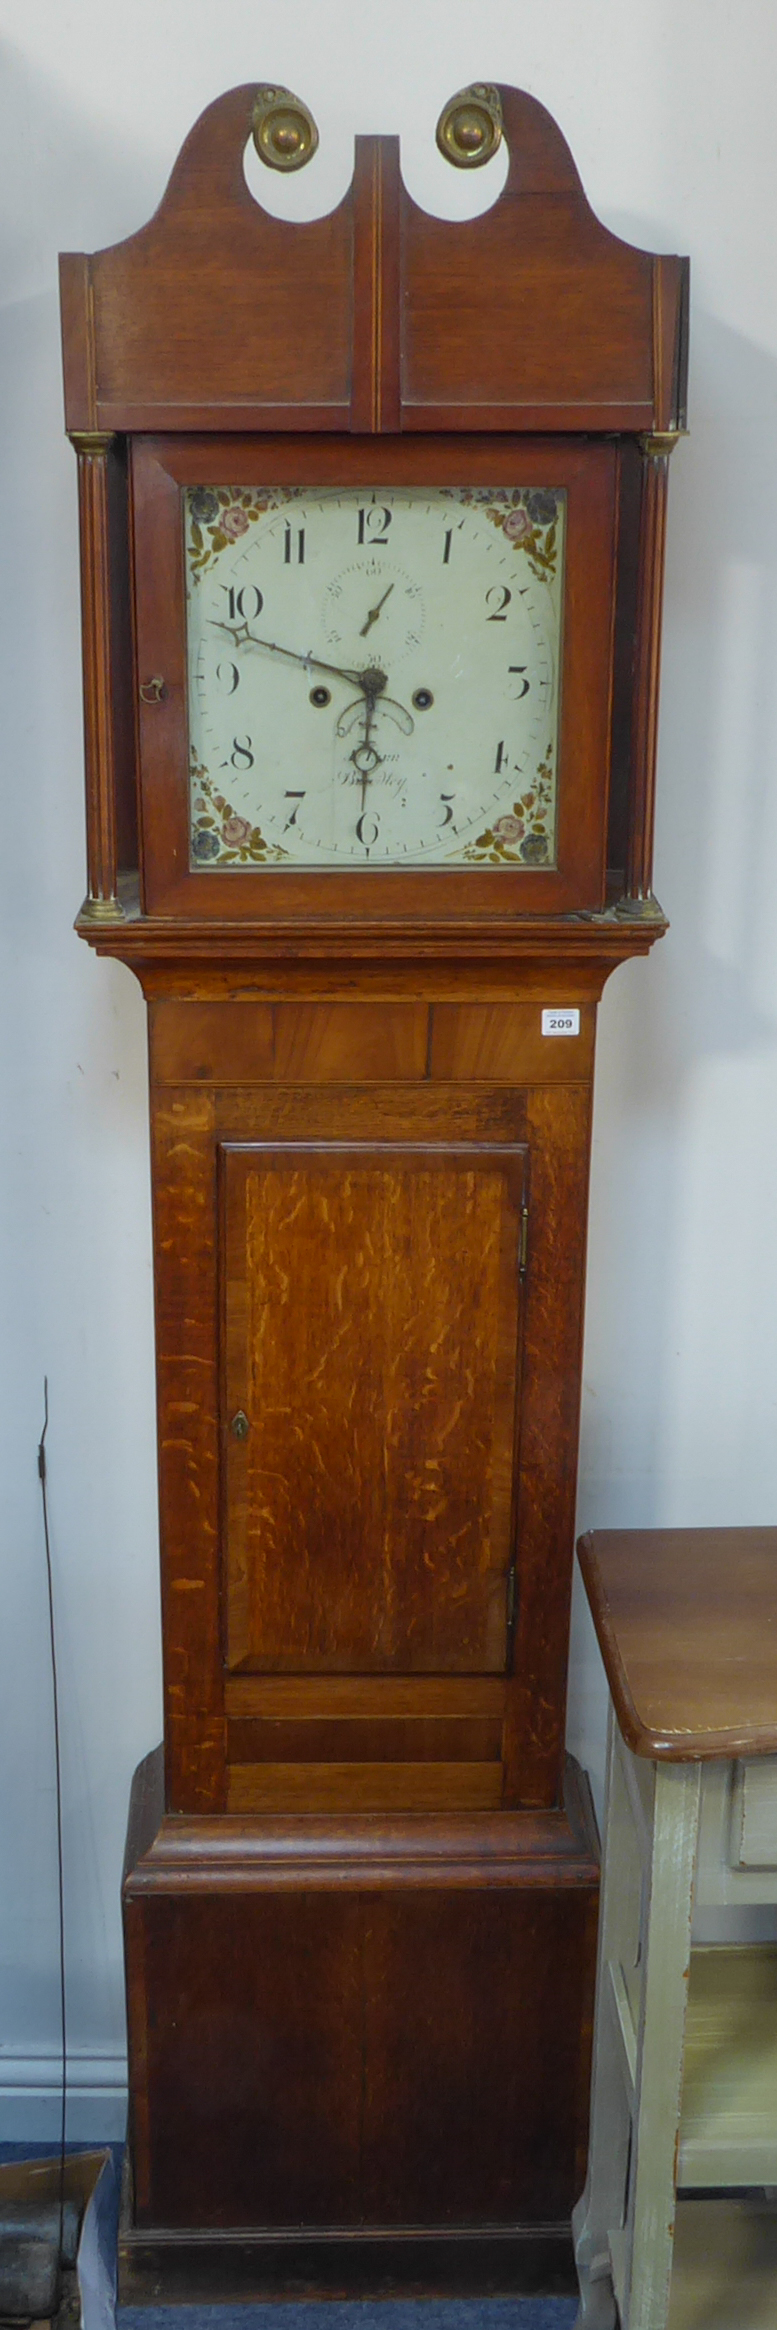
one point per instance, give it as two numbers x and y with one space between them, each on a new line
684 2086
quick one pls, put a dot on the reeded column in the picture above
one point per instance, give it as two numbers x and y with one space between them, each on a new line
101 903
652 537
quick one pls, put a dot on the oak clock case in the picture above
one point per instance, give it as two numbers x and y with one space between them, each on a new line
372 519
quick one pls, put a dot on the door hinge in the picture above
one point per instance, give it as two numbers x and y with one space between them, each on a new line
512 1598
523 1254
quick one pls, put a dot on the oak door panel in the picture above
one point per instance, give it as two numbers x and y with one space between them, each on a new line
372 1344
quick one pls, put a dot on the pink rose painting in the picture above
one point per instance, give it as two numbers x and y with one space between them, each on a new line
235 830
517 525
508 828
233 522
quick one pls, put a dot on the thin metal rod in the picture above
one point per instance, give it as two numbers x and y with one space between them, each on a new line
58 1772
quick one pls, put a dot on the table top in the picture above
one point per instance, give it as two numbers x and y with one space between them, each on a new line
686 1621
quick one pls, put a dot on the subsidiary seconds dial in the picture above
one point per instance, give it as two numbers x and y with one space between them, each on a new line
373 676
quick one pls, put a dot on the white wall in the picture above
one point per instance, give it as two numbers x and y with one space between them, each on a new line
674 135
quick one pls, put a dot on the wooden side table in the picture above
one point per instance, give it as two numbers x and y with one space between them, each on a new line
684 2088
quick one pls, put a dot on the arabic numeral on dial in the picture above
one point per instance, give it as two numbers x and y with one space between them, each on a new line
242 755
501 758
296 798
228 677
497 601
244 605
373 525
287 546
519 671
446 799
447 546
367 828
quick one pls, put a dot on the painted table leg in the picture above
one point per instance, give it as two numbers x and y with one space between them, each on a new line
623 2237
666 1956
602 2202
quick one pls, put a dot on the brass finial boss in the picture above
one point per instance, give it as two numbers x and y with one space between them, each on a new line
470 126
284 132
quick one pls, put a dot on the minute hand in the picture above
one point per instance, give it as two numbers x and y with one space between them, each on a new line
370 682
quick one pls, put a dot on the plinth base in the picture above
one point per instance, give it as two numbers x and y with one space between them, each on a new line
359 2048
172 2267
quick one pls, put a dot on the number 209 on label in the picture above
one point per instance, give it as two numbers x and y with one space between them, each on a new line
561 1023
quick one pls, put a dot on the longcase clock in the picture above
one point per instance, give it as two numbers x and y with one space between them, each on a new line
372 521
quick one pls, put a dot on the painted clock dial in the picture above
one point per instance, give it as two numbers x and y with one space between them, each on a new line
373 677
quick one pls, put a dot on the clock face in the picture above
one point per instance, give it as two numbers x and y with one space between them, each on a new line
373 676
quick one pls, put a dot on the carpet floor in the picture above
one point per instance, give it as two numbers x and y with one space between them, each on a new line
357 2314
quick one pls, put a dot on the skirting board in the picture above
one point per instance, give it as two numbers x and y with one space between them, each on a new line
31 2091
